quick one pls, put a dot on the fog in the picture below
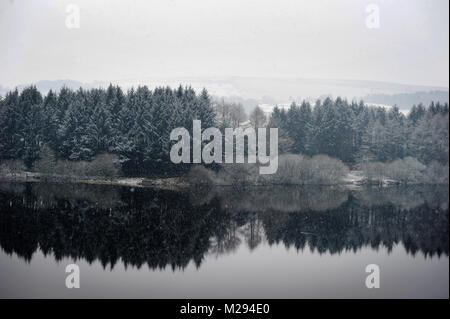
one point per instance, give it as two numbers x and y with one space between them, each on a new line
132 40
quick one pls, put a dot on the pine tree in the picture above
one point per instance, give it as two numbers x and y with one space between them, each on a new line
50 125
28 125
76 131
9 122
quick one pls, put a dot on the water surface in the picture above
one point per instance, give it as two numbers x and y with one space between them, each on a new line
261 242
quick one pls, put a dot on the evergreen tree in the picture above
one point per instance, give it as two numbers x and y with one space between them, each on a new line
9 123
76 132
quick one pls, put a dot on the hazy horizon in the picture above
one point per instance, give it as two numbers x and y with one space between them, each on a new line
186 80
329 40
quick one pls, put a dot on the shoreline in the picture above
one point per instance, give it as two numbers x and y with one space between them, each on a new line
354 179
162 183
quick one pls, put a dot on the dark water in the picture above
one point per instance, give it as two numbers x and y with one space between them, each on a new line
249 243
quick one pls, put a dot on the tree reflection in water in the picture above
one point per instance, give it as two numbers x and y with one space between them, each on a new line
159 228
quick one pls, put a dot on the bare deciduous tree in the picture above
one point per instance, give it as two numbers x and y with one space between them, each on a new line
229 114
258 118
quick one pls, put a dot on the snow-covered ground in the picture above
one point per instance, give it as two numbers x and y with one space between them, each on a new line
354 177
137 181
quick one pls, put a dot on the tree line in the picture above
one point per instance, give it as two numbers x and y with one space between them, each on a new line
79 125
355 132
135 126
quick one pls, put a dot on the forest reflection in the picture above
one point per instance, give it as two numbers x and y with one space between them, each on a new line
158 228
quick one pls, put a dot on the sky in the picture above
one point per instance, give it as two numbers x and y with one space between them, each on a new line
131 39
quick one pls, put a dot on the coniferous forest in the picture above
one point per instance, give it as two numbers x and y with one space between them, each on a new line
78 126
354 132
134 127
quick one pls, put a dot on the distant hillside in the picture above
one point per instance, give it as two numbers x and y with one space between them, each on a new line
3 90
46 85
251 91
406 100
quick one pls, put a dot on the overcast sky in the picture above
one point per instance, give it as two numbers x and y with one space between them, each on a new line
120 40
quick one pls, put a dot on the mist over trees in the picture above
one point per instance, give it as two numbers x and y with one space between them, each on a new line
79 126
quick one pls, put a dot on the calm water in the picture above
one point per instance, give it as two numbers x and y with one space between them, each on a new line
250 243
